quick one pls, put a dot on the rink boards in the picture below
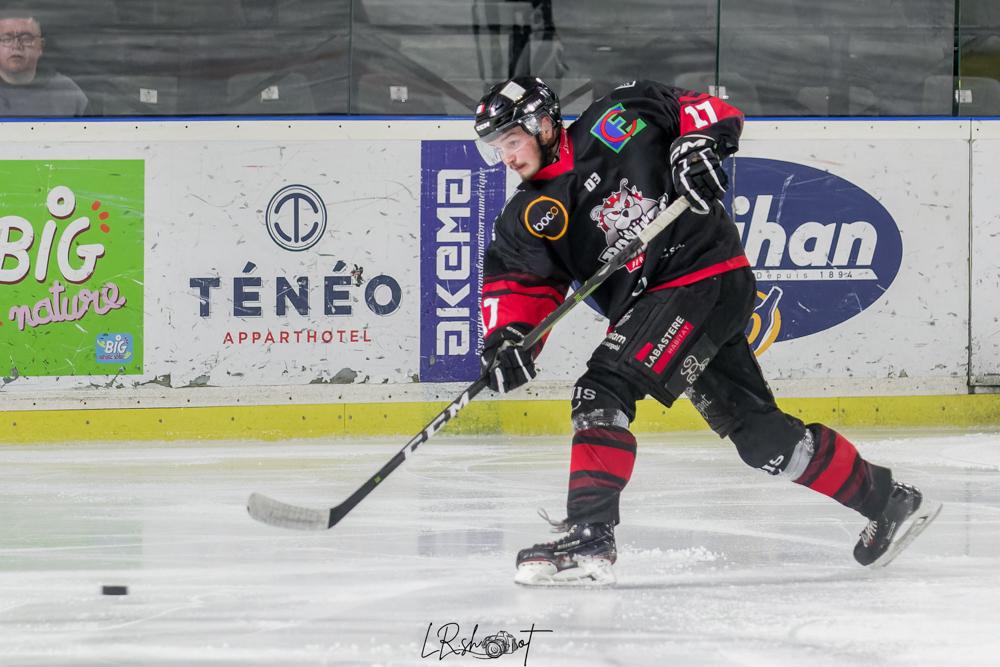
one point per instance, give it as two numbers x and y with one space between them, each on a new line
296 264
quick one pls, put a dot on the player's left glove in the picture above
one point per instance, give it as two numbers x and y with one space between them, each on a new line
697 171
507 366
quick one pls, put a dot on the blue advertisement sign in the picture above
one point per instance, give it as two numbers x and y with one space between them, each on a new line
823 249
459 199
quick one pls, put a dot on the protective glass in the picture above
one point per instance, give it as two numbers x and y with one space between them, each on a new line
507 140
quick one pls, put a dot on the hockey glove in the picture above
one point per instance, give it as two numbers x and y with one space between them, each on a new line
697 171
506 365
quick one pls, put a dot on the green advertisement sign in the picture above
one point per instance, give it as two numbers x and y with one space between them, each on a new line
71 267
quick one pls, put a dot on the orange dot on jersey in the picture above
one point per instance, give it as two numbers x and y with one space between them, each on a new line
105 228
96 205
103 216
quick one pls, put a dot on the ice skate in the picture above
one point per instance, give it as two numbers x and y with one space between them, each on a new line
584 556
904 517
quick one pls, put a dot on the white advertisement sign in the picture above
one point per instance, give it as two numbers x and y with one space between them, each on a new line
985 260
876 239
288 264
350 253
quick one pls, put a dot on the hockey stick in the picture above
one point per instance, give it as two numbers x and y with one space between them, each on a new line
276 513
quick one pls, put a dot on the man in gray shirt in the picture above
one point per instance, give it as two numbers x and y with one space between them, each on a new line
25 88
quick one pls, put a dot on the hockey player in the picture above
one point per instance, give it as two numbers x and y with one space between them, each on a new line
678 312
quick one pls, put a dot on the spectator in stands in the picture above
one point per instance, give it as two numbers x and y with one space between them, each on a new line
25 88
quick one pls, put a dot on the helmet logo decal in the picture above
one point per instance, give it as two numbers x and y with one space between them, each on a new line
614 131
513 91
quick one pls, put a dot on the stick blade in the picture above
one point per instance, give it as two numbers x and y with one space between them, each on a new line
276 513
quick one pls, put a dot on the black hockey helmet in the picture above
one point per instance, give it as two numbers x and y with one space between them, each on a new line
523 101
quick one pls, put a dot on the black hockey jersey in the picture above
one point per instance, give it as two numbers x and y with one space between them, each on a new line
613 166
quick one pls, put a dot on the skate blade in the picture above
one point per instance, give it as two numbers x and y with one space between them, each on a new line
589 572
913 526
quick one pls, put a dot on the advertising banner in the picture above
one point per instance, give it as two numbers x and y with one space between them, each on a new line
353 254
859 244
460 198
985 260
822 248
71 267
828 239
289 264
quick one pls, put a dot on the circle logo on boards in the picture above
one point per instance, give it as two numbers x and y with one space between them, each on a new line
296 217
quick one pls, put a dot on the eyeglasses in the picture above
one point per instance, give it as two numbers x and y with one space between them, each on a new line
24 39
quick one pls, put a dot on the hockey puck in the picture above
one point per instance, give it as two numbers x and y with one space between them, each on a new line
114 590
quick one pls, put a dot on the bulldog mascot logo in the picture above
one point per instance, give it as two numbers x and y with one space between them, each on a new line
621 216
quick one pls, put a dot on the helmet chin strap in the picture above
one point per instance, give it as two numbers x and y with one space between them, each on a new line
550 151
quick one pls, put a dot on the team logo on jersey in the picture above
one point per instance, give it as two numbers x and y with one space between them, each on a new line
546 218
621 216
614 131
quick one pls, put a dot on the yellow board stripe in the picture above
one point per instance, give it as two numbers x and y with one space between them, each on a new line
478 418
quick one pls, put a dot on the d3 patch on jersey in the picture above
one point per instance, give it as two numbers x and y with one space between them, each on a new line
546 218
614 131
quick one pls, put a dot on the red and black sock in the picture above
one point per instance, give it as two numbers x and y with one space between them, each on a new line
838 471
600 466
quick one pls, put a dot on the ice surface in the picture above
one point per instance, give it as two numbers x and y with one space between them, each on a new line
719 564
